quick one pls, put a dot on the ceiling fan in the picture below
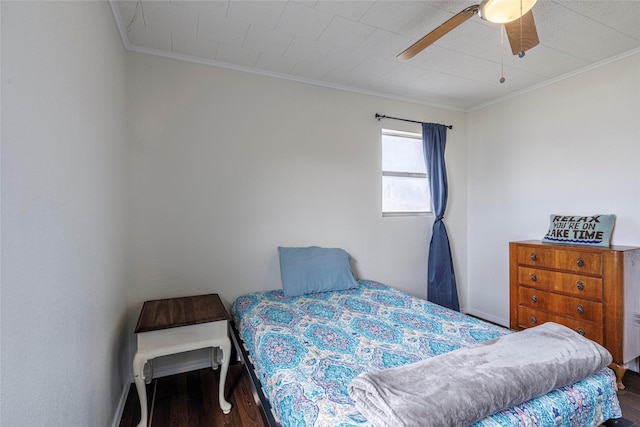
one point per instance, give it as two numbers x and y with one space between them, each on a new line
516 16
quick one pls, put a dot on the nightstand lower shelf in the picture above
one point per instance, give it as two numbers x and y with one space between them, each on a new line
178 325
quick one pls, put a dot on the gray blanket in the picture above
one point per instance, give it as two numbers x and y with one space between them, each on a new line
469 384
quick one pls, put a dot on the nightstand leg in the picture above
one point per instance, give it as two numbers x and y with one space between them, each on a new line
139 360
214 360
226 354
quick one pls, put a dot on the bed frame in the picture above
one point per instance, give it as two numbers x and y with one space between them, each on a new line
256 386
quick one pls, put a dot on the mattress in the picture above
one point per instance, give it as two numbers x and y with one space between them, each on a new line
307 349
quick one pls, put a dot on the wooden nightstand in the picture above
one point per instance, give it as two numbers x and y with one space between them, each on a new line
175 325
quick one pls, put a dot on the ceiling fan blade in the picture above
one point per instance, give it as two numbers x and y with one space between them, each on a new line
529 37
443 29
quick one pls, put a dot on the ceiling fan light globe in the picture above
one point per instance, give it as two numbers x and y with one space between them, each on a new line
504 11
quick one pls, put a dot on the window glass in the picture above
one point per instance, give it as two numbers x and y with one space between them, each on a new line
405 194
402 154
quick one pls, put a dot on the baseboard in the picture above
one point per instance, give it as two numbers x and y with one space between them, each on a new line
178 368
634 365
488 317
121 404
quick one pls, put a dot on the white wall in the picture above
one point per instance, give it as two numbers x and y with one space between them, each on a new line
63 313
572 147
225 166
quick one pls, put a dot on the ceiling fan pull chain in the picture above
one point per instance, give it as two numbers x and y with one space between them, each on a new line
521 53
502 79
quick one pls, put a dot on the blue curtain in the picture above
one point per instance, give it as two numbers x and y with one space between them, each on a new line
441 279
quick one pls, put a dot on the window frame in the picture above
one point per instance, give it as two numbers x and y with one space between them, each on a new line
402 134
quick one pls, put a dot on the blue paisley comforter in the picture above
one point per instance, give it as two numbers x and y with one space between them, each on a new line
307 349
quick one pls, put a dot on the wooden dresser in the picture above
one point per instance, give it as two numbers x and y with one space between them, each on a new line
595 291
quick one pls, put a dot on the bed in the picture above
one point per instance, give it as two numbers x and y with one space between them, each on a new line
306 349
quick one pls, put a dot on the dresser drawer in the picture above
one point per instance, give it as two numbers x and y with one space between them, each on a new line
573 260
576 308
528 318
555 281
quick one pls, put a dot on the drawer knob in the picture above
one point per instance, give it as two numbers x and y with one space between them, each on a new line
580 309
580 285
534 277
534 298
580 262
533 257
533 319
580 331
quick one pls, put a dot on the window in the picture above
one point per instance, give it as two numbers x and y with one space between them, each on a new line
405 188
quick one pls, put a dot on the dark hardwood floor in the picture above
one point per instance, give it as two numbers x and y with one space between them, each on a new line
191 400
630 397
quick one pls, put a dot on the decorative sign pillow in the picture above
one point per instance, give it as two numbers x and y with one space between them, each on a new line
594 230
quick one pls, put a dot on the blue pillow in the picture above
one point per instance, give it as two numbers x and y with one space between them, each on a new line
592 230
315 269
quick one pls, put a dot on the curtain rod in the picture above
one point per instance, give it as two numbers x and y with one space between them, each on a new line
381 116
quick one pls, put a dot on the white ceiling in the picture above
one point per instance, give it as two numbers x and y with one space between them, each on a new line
353 44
